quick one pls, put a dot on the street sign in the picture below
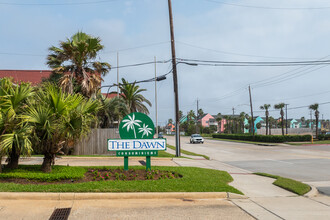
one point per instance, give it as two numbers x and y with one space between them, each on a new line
136 131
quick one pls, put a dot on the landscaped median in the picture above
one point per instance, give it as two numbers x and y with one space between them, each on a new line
264 138
288 184
29 178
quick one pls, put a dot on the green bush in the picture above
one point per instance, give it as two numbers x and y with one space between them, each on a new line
264 138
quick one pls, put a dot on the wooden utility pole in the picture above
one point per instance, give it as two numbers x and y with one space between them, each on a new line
197 118
156 98
252 120
175 83
117 74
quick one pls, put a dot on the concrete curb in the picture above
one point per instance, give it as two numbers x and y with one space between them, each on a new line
312 193
103 196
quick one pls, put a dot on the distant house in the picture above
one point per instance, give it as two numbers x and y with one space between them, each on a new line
170 129
33 76
185 118
207 120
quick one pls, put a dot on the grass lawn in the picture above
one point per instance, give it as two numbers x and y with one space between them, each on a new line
193 180
188 152
289 184
314 143
246 142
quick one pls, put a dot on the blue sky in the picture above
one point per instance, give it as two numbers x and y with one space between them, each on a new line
203 30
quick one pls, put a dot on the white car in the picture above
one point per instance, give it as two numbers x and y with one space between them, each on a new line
196 138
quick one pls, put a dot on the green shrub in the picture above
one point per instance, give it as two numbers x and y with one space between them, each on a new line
264 138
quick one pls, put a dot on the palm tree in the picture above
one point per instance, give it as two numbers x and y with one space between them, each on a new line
271 123
134 100
281 106
59 119
241 121
75 61
14 131
266 107
111 110
315 108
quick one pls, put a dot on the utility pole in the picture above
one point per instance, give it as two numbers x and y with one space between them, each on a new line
175 83
117 74
156 98
252 121
286 118
197 118
311 120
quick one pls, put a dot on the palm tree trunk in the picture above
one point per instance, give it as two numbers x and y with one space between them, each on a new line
317 123
282 122
266 124
46 166
13 159
0 164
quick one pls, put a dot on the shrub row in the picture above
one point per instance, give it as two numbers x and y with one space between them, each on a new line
324 136
264 138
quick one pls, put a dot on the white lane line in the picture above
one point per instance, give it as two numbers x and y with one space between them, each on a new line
280 161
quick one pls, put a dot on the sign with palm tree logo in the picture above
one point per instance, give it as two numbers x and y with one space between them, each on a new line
137 139
136 126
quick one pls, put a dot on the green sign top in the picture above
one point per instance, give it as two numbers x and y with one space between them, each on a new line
136 126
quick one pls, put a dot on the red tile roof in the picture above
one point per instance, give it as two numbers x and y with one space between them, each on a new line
33 76
109 95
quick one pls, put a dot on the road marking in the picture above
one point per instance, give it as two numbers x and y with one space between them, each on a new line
280 161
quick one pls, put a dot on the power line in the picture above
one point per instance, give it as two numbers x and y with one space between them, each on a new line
236 54
269 8
137 47
105 52
141 64
53 4
255 63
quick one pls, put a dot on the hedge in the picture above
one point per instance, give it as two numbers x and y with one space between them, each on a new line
324 137
265 138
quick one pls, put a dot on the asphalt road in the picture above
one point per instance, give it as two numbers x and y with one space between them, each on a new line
308 164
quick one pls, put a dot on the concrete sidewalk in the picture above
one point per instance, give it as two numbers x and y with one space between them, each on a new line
267 201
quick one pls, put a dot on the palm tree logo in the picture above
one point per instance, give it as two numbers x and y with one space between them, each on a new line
131 122
145 130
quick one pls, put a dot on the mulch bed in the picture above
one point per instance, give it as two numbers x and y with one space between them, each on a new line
105 175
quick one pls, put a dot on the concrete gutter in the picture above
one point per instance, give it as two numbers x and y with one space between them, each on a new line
312 193
104 196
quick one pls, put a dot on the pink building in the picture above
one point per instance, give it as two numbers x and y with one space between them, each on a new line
207 120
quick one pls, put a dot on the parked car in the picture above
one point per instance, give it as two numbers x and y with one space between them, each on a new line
196 138
160 135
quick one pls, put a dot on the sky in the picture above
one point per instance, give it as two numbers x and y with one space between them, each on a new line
221 30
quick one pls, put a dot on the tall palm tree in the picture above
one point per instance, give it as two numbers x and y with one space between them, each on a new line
59 119
74 59
134 100
281 106
14 131
266 107
271 123
315 108
241 121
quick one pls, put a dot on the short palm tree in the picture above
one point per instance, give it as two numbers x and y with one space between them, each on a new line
130 92
111 110
266 107
14 131
281 106
75 61
315 108
59 119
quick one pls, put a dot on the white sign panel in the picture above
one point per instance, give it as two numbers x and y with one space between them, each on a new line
136 144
